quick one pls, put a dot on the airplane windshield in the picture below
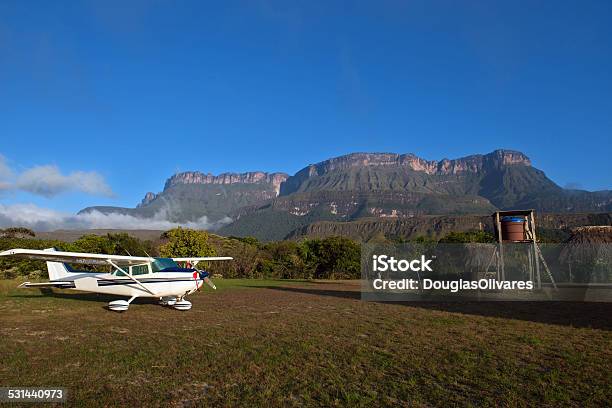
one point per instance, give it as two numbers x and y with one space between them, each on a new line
159 264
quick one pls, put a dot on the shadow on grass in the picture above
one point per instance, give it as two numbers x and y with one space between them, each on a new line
596 315
90 297
284 282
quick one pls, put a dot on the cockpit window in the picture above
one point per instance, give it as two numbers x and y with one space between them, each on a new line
117 272
159 264
140 269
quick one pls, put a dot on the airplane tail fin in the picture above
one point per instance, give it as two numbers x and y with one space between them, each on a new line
57 270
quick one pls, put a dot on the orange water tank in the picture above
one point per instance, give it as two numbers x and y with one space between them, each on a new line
513 229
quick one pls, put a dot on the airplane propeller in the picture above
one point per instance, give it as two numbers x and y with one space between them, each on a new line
205 277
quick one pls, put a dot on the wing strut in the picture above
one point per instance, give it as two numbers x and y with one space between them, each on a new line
130 276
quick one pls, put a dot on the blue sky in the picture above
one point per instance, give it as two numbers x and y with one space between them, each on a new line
131 92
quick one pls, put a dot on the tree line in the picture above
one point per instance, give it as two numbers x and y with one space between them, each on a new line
312 258
328 258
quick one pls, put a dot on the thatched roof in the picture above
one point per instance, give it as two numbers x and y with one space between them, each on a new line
600 234
588 243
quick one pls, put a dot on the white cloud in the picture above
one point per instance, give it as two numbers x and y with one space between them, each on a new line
44 219
48 181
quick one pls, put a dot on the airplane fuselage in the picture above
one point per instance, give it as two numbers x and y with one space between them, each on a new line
155 285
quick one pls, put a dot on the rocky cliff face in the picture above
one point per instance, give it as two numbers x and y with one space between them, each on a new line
438 226
476 164
147 199
346 205
253 177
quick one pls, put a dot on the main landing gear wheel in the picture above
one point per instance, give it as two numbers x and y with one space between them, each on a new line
120 305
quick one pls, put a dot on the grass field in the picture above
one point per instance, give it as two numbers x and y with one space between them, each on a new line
291 343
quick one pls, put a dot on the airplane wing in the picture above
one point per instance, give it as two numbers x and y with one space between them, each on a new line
76 257
208 258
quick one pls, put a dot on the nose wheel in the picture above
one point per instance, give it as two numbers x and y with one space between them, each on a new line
178 304
183 305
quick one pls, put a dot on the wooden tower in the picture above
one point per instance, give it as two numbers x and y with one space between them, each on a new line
528 236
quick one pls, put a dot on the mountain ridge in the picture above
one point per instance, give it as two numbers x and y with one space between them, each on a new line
471 163
358 185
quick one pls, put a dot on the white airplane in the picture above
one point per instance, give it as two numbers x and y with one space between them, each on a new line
133 276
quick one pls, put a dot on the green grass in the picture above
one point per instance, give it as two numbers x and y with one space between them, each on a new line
225 284
292 343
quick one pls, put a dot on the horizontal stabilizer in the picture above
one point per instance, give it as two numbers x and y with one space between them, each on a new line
64 285
86 284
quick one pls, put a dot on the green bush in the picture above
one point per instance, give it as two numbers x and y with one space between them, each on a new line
332 258
184 242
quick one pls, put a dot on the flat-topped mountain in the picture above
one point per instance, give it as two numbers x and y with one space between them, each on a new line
253 177
390 171
362 185
470 164
505 178
196 177
188 196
